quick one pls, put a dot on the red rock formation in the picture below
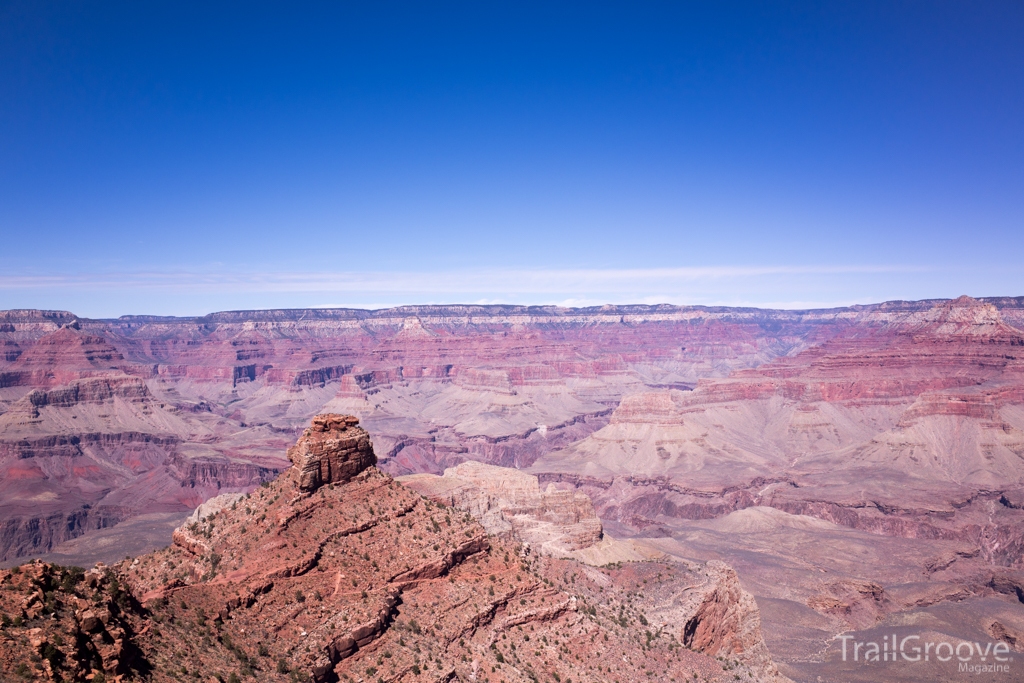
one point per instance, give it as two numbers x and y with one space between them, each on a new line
439 385
902 419
909 424
333 450
66 355
63 624
354 579
716 616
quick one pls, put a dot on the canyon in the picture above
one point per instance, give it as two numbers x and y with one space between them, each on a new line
347 573
857 470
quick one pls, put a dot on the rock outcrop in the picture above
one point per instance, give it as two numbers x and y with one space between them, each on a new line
331 451
362 579
64 624
511 504
703 606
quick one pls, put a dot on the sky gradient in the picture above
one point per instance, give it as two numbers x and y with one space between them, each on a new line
180 158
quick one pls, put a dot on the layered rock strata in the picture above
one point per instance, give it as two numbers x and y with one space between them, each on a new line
899 441
708 612
438 385
361 579
510 503
331 451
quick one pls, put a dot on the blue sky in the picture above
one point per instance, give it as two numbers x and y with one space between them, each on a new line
180 158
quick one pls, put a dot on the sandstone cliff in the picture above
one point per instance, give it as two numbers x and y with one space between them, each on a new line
332 451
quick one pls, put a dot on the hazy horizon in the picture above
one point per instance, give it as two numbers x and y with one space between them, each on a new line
455 304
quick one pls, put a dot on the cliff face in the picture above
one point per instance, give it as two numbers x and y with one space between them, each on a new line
344 580
99 450
932 400
702 605
510 503
61 356
908 426
332 451
163 410
440 385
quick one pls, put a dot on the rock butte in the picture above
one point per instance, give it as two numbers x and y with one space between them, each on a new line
332 451
860 468
355 576
510 503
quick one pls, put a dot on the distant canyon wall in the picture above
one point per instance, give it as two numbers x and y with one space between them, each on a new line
100 419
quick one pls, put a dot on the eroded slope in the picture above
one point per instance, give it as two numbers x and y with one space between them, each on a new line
335 570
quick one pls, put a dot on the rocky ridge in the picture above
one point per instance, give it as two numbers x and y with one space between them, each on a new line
63 623
360 578
511 504
716 615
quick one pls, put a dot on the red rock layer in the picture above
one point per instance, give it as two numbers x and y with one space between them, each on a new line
232 388
331 451
908 424
362 579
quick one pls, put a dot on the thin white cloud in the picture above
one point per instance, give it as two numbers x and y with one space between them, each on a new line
585 283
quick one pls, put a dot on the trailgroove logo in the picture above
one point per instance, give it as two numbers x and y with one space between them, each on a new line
970 657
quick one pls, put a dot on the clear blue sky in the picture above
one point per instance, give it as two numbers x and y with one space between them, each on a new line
179 158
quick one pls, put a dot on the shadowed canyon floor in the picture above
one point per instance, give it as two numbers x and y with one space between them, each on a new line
861 469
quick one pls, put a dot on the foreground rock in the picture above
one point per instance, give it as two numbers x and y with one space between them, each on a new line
60 624
702 605
362 579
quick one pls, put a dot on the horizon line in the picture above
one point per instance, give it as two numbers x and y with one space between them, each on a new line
596 308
